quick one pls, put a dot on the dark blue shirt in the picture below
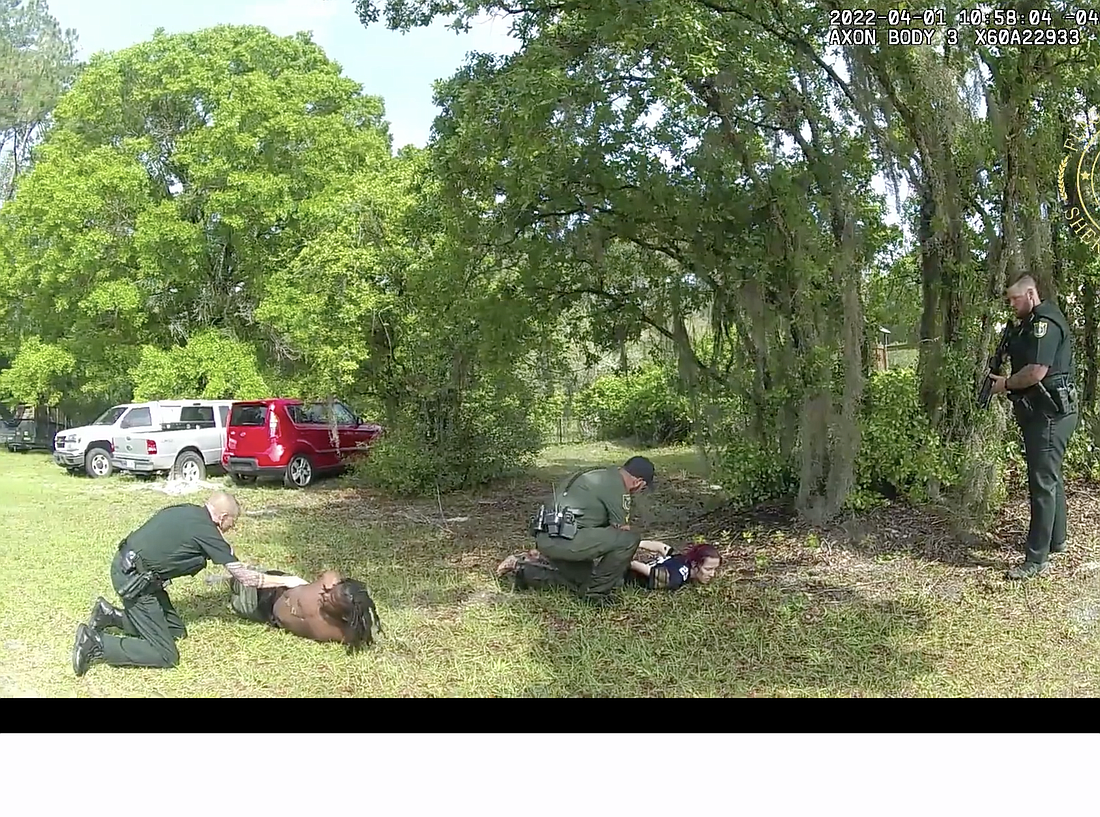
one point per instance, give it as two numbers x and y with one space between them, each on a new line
669 573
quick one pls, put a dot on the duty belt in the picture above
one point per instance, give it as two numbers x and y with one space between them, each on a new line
132 563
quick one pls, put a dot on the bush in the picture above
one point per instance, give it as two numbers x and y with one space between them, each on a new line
1082 459
437 445
753 473
898 454
644 405
897 457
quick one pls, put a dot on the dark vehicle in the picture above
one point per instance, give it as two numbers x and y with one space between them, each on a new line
32 428
7 427
291 440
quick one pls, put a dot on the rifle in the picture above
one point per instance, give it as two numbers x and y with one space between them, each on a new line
996 361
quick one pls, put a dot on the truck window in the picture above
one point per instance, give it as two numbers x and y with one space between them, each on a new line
197 414
109 417
137 417
248 416
223 412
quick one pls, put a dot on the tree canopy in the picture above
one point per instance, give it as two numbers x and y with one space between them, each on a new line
220 213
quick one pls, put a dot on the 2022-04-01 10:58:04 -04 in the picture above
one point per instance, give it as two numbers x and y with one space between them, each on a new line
985 27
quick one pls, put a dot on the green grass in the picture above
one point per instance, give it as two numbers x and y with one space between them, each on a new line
891 605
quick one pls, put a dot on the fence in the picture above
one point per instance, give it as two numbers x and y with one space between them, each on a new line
895 355
571 429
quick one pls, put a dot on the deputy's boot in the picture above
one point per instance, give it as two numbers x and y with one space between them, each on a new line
87 649
1058 548
605 599
105 615
1028 570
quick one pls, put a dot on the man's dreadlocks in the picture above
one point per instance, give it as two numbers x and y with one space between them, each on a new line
352 604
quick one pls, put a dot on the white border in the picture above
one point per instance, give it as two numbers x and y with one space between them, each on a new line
755 775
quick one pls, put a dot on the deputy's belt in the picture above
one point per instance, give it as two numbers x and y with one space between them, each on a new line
133 564
1055 381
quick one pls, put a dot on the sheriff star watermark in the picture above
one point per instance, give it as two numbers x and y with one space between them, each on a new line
1077 187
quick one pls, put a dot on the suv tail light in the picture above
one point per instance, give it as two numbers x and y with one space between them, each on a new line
150 447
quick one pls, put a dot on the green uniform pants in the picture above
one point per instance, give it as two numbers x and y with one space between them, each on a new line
594 561
153 625
1045 441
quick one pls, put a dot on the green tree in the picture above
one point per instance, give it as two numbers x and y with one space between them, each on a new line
37 65
174 187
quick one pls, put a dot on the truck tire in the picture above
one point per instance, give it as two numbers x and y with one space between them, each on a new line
299 472
189 467
97 463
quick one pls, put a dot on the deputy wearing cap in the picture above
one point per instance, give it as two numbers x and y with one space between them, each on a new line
592 549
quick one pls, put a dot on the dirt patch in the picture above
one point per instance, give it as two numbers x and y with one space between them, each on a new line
176 487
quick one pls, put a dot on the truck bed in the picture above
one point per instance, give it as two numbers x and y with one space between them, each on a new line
132 451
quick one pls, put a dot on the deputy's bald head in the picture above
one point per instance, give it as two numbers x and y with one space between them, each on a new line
224 509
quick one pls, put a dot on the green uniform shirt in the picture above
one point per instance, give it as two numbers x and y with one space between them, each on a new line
598 498
1043 338
179 540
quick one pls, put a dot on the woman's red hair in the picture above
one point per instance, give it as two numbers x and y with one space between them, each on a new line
699 553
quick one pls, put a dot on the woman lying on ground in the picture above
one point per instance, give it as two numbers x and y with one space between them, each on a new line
670 571
331 608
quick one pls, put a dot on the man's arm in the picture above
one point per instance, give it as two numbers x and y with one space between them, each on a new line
641 568
254 578
1027 377
1041 345
220 553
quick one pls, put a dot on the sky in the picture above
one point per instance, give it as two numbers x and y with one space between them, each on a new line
398 67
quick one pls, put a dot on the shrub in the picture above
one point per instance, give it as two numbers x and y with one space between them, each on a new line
1082 459
644 405
898 454
436 444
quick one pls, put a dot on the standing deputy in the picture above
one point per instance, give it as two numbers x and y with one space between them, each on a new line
1044 400
585 534
176 541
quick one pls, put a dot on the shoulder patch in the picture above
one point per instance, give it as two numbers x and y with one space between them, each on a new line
1041 328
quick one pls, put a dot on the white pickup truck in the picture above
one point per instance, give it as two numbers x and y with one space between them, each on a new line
89 448
184 448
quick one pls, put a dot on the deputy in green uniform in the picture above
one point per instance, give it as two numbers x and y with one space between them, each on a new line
176 541
591 545
1044 400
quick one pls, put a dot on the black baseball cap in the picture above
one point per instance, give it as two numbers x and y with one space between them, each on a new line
641 468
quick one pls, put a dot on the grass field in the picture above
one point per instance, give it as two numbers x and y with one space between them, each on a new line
894 604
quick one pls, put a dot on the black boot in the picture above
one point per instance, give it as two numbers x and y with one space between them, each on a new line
105 615
606 599
87 649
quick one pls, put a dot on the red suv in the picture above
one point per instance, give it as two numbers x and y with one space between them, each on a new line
287 438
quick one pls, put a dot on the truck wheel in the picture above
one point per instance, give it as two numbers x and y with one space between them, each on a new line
243 479
189 467
97 463
299 472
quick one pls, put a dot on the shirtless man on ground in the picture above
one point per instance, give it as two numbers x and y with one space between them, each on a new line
331 608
